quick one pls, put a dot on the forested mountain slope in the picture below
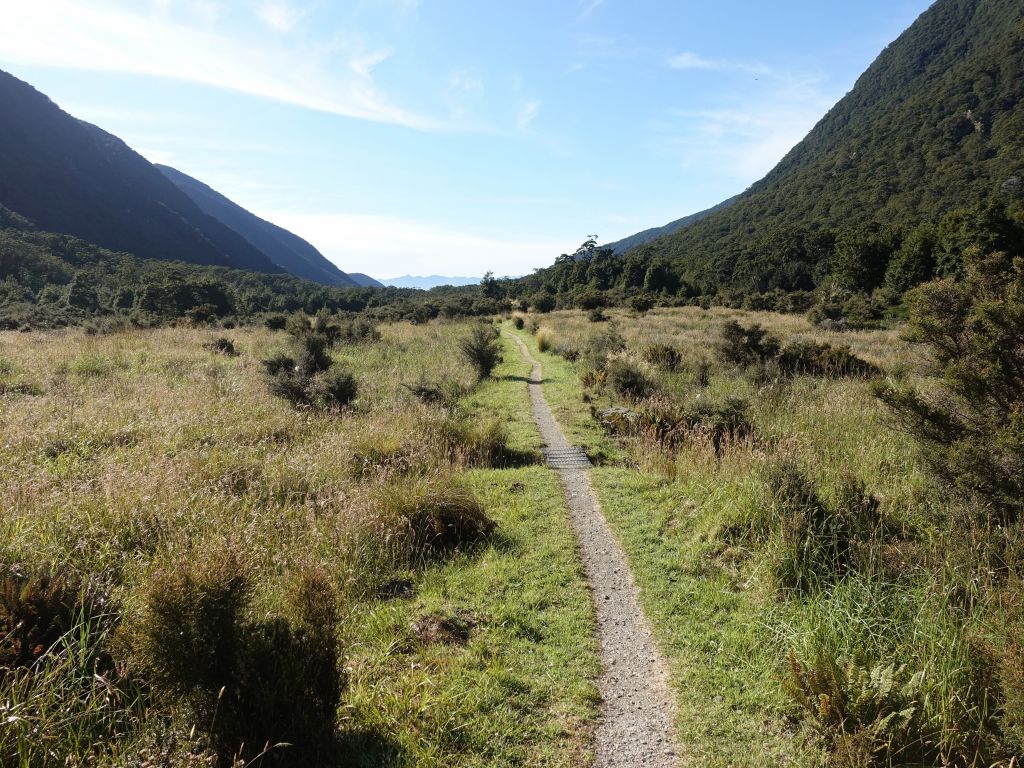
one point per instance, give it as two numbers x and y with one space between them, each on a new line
934 124
647 235
70 177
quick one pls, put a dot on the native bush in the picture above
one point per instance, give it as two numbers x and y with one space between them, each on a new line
518 322
746 346
481 348
867 714
248 680
628 380
969 418
813 358
663 356
222 346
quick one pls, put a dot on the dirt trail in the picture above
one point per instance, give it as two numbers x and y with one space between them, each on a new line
635 725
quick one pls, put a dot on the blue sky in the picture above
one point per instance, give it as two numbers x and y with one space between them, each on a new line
448 136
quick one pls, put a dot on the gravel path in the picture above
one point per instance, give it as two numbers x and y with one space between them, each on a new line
635 725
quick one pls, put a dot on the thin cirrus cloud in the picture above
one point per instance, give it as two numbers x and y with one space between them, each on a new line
389 246
76 34
279 15
691 60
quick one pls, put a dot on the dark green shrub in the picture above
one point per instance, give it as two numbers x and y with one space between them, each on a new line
672 423
641 303
335 389
868 715
597 315
222 346
36 610
746 346
970 422
518 322
811 358
591 300
628 380
481 348
663 356
568 351
542 302
249 681
276 322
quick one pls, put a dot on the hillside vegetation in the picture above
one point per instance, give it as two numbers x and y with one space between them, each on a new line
807 554
195 570
926 148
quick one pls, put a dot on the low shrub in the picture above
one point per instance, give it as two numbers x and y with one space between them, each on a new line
811 358
481 348
597 315
249 680
431 516
36 610
518 322
628 380
746 346
867 715
663 356
222 346
672 423
567 351
335 389
641 303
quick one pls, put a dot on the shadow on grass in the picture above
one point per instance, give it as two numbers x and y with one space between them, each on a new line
512 458
523 379
366 748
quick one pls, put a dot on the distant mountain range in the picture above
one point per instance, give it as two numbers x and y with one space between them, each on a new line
428 281
70 177
365 281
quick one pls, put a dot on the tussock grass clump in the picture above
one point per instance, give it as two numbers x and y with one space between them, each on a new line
663 356
250 680
816 542
629 380
481 348
222 346
545 339
430 517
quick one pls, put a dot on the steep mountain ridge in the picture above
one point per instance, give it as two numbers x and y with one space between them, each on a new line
285 249
647 235
71 177
934 124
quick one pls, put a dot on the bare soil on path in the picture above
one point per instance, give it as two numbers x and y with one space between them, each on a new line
635 725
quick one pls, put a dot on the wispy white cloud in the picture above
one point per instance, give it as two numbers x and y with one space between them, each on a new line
279 15
691 60
587 7
81 34
527 114
389 246
363 65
